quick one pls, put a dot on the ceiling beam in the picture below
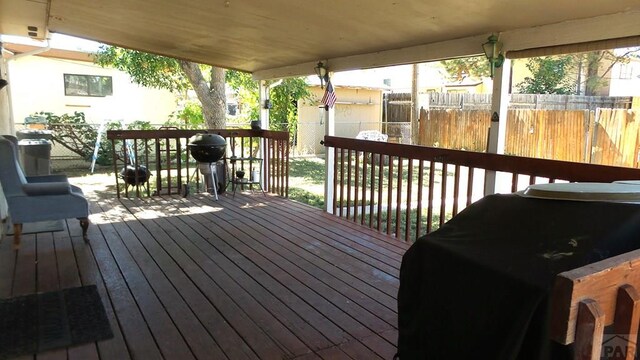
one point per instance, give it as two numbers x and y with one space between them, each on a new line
569 32
604 27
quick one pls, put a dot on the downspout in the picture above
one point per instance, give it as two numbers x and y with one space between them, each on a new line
14 57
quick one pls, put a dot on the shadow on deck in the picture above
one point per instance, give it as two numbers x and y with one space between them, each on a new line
250 277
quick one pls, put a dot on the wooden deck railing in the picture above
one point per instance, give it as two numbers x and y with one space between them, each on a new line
166 154
391 187
587 299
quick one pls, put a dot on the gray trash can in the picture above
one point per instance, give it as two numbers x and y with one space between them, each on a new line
36 156
34 134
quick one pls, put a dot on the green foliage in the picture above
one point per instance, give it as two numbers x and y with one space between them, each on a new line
306 197
145 69
284 99
549 76
74 133
476 66
190 117
247 92
165 73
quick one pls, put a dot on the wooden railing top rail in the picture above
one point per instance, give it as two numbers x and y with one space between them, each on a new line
182 133
553 169
600 282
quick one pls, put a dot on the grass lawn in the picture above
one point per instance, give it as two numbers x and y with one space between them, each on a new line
306 181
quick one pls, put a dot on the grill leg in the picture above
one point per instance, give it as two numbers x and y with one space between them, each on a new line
214 179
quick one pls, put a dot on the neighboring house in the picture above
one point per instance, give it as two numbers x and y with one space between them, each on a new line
358 108
625 78
63 81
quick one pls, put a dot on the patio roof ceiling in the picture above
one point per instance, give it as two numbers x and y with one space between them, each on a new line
284 38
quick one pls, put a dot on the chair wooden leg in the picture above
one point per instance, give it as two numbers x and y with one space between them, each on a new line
17 231
84 224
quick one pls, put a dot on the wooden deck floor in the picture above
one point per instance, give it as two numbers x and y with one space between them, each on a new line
250 277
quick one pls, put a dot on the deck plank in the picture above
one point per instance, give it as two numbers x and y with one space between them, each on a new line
140 341
240 278
47 280
269 312
316 272
169 339
270 289
69 276
331 262
168 282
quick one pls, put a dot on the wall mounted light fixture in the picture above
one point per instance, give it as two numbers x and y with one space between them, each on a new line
493 51
322 73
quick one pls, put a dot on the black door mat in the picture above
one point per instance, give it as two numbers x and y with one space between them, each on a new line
34 323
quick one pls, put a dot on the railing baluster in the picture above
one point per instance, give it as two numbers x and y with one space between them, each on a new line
126 157
514 182
349 184
115 165
420 189
432 174
456 189
407 230
389 194
179 164
270 164
286 164
158 165
371 191
356 193
532 179
136 167
341 181
146 162
335 179
399 199
168 153
380 183
470 186
443 194
364 188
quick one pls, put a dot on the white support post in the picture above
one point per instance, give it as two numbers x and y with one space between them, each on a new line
264 96
498 129
264 124
329 159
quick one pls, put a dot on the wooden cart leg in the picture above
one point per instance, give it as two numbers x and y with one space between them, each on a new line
17 231
84 224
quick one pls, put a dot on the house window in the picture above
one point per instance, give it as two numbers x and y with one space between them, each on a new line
626 71
87 85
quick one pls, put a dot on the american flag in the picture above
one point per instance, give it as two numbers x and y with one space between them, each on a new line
329 98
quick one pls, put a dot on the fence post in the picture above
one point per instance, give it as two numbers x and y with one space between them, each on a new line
589 126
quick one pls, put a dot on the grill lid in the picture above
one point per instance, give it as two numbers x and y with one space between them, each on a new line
207 140
207 147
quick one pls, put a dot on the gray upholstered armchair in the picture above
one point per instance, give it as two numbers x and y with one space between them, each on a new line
37 198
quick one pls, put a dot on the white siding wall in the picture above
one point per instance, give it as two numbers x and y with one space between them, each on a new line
37 84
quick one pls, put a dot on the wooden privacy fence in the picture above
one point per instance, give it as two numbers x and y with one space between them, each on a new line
408 190
164 152
604 136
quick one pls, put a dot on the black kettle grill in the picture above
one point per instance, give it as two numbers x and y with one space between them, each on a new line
207 148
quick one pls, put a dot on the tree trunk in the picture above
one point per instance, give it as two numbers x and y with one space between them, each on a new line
211 95
593 80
